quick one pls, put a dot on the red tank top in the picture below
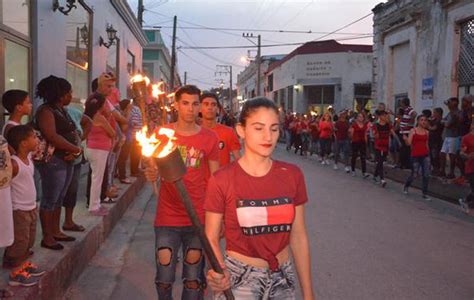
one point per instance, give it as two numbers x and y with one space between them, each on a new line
419 145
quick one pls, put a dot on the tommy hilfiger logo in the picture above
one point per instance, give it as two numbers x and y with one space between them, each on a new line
265 216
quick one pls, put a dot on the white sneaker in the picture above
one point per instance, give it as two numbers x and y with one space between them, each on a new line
323 162
464 205
335 167
327 162
383 182
353 174
347 169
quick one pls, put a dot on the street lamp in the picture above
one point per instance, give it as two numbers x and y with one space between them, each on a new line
111 35
64 10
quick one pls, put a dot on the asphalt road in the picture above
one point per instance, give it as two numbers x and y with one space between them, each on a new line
367 242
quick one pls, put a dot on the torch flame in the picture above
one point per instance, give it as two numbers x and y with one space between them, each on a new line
157 89
151 144
169 147
140 77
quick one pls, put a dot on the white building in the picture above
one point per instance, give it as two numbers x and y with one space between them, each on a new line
320 74
424 50
37 40
247 79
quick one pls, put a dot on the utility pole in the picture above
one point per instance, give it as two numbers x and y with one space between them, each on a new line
185 77
140 11
258 59
224 70
173 54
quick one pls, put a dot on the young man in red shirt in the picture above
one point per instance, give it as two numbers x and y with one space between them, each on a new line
173 229
228 140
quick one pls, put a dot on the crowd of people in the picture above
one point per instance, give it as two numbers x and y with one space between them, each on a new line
423 142
41 162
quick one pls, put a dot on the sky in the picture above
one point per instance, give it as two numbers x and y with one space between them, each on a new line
246 16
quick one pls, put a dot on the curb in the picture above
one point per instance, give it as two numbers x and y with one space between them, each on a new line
65 267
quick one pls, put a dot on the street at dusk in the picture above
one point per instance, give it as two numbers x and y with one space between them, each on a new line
366 243
250 149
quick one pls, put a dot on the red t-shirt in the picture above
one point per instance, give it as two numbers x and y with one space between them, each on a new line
314 128
419 145
382 136
358 135
196 150
228 142
325 129
342 130
468 143
258 211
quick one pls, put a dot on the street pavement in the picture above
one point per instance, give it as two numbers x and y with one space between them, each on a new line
367 242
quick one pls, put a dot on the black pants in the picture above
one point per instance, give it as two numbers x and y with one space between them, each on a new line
358 150
405 153
135 155
380 157
122 160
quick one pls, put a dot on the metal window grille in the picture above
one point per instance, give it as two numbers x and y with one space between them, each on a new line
466 56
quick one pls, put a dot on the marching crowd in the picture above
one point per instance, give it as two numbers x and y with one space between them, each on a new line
421 142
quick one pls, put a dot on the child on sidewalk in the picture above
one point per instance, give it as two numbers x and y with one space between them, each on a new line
382 131
467 151
18 104
23 196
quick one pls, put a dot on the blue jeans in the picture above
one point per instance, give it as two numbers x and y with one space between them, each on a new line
172 239
70 198
417 163
343 146
56 176
249 282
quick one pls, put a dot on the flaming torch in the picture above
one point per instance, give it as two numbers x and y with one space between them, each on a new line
162 149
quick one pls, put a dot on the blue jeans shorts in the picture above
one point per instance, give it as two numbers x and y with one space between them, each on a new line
250 282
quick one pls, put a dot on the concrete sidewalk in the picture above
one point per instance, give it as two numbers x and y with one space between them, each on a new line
64 267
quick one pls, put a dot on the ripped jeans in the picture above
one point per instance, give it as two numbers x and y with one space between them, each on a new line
168 241
260 283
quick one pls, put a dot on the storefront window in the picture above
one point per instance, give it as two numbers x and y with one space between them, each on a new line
16 15
77 48
16 66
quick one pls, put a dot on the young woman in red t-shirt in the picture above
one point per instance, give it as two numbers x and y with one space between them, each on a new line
261 202
358 134
420 154
326 130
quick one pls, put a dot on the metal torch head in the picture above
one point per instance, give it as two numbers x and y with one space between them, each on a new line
171 167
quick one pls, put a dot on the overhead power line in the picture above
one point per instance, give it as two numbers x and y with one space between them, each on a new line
265 30
344 27
263 46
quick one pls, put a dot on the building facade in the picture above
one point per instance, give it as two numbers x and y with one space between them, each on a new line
320 74
423 50
157 59
39 41
247 79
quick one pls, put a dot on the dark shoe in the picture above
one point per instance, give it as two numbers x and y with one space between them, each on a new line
56 246
75 228
108 200
65 238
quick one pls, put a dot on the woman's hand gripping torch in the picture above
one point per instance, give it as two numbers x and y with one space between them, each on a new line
167 159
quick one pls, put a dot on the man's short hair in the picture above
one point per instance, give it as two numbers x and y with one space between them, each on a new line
12 98
18 134
207 94
405 101
187 89
95 85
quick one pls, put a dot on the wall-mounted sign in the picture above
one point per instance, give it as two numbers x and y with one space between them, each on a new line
318 68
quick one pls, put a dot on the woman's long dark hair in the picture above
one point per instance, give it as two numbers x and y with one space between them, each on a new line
51 89
93 104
